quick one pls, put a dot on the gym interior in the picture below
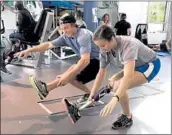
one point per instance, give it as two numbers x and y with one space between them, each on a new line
23 112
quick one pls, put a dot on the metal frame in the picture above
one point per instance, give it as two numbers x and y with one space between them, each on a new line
62 55
41 103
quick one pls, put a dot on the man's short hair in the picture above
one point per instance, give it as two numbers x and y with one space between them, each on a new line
67 18
123 16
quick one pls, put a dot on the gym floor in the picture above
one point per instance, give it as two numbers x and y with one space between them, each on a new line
21 114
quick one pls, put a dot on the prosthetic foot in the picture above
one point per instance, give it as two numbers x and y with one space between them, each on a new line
74 111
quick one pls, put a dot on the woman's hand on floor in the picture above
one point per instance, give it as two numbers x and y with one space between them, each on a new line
109 107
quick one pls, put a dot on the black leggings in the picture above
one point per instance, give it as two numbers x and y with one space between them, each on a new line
16 36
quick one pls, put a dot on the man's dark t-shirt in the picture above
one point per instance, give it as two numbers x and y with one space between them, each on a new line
25 22
122 27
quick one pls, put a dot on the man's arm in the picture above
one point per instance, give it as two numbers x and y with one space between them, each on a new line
77 68
41 48
116 27
115 30
129 31
48 45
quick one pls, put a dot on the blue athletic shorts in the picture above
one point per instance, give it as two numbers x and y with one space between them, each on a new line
150 70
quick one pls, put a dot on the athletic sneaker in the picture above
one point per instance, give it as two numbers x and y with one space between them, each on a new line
83 99
39 86
72 110
122 122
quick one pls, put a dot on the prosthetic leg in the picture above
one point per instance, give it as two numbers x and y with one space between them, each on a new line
74 111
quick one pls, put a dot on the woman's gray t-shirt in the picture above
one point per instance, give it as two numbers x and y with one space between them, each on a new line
128 48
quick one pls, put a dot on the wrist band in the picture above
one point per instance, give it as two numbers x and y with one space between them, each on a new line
116 97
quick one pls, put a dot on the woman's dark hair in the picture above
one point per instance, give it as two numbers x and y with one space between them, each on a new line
103 32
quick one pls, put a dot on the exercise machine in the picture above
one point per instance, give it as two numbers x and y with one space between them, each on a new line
62 52
42 31
141 33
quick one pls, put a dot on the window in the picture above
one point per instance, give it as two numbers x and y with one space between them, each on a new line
156 12
9 2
